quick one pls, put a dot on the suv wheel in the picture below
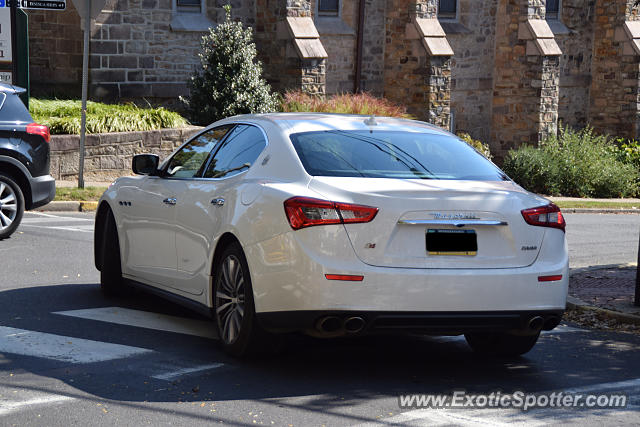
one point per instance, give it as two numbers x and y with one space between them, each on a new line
11 206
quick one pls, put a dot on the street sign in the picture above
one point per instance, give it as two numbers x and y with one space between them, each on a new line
43 4
37 4
95 7
5 77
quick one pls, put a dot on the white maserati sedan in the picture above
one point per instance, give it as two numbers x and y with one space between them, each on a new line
337 225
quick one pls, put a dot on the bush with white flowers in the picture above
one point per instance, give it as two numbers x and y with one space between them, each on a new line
230 81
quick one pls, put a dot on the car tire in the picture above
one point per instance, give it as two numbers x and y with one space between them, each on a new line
11 206
111 281
234 310
501 344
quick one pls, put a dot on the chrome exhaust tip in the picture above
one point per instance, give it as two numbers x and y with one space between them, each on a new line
551 322
353 325
536 323
329 324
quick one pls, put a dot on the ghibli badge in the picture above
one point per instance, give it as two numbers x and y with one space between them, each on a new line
438 215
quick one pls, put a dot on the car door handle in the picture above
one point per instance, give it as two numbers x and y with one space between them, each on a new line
218 202
170 201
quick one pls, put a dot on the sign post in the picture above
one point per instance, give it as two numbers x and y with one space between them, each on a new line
88 10
637 298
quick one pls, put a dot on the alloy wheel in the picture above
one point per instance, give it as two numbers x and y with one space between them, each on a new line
8 205
230 299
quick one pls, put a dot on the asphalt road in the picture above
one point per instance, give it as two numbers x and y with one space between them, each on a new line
69 356
602 239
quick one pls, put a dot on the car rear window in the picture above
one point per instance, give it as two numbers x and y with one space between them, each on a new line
13 110
391 154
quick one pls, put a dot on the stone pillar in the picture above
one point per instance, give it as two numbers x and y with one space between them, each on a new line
418 60
526 76
616 69
289 46
439 83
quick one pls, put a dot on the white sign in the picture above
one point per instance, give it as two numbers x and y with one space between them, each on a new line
37 4
95 8
5 35
6 77
44 4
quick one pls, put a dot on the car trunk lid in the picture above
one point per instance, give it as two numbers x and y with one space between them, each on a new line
439 223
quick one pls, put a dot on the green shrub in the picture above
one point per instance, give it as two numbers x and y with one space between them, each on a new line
481 147
575 163
63 117
230 81
360 103
627 151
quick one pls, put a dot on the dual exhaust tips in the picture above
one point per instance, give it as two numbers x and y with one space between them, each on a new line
334 324
539 323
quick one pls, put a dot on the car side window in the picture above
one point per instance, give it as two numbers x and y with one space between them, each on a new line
189 160
237 153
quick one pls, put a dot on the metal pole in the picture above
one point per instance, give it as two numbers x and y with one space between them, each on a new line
14 42
358 80
637 299
85 83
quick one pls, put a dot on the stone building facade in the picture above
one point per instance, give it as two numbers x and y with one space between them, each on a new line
505 71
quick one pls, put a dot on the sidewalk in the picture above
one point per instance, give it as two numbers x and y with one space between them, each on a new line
603 297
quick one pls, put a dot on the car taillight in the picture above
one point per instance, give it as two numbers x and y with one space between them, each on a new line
545 216
306 212
42 130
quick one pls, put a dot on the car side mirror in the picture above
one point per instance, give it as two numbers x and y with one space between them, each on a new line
145 164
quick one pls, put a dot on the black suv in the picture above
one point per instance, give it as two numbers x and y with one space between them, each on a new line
25 182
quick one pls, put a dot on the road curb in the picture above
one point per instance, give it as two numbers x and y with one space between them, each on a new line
600 211
88 206
579 305
72 206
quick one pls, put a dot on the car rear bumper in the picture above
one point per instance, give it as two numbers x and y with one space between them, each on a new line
43 190
436 323
294 280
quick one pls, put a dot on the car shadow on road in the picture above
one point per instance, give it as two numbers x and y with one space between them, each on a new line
332 373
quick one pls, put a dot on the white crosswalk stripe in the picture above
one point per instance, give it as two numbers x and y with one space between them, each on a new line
51 219
81 228
28 400
145 319
62 348
38 220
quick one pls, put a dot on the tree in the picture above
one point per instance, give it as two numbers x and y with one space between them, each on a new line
230 81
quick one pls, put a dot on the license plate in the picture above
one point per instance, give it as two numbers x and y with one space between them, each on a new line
452 242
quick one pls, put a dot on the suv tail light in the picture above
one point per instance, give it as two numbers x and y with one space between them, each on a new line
42 130
545 216
306 212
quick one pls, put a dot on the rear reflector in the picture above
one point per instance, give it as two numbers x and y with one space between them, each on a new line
550 278
306 212
346 277
36 129
545 216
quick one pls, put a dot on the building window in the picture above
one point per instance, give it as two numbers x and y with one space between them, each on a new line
190 15
328 7
447 9
553 9
189 6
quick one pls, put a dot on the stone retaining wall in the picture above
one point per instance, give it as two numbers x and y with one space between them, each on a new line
108 155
